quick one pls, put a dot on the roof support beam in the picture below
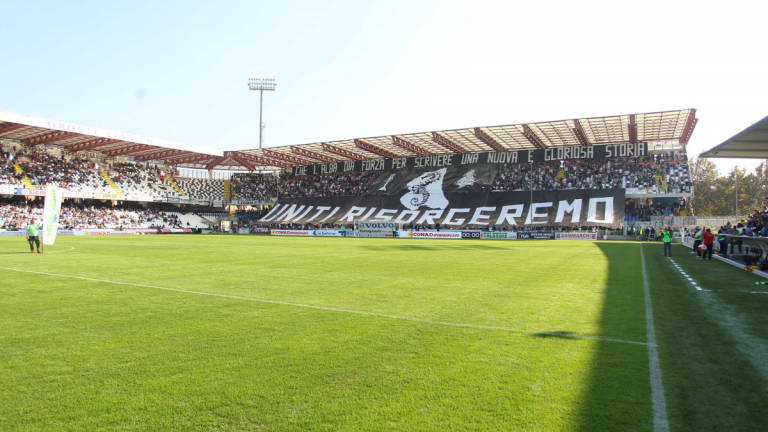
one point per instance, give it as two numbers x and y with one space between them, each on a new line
249 166
127 150
261 160
312 154
92 144
342 152
48 137
579 132
158 154
192 158
690 124
10 127
215 162
632 128
445 142
365 145
411 147
488 140
285 157
532 137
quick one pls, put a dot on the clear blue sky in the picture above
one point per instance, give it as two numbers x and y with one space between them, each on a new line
178 70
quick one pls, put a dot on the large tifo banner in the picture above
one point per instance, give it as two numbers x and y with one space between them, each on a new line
424 199
595 152
51 209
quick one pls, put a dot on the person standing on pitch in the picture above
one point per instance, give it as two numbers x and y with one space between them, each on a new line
708 241
697 237
722 240
33 236
666 237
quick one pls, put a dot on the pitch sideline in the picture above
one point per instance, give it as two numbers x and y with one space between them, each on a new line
659 401
342 310
71 248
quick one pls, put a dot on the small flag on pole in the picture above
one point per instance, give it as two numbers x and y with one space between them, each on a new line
51 210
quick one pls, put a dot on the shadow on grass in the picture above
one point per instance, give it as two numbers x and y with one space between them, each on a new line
558 334
712 345
709 378
617 396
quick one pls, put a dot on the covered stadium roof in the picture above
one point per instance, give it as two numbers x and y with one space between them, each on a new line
657 126
752 142
36 131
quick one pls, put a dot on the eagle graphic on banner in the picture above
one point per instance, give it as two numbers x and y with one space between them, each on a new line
426 190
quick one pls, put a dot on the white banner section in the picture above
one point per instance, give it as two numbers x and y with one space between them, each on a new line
51 209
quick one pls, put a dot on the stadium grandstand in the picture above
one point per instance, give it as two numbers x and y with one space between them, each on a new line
641 155
744 242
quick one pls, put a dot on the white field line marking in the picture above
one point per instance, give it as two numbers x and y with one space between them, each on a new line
71 248
335 309
659 401
699 288
685 275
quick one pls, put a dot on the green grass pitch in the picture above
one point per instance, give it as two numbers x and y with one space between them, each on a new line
247 333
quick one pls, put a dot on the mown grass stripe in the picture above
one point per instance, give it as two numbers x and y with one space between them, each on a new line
335 309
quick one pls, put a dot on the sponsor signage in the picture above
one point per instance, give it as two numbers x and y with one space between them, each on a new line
535 235
174 230
108 196
374 229
106 232
326 233
144 230
576 236
434 234
30 192
498 235
286 232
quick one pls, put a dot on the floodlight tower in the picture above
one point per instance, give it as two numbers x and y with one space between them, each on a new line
261 84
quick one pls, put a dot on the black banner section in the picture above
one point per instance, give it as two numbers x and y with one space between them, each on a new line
598 152
424 202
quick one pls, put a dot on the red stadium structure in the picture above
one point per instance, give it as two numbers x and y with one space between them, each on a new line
658 127
121 167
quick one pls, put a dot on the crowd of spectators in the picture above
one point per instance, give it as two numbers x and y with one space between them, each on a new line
660 172
643 172
643 210
205 189
93 215
754 225
140 182
249 217
42 168
256 187
136 181
757 223
325 186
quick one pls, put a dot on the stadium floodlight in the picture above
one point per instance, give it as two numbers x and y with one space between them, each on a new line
260 85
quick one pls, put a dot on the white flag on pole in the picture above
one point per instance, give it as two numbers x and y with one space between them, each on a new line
51 210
